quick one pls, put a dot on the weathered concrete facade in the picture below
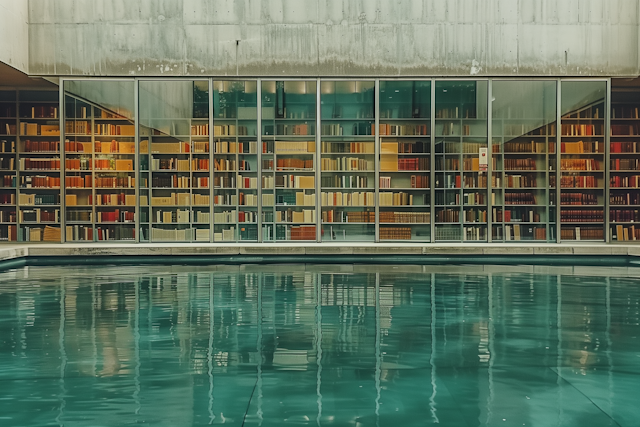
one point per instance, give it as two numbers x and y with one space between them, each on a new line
333 37
14 43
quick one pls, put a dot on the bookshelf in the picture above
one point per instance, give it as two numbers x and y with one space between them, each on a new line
8 165
582 162
461 204
235 180
405 160
624 165
347 161
523 162
39 166
288 177
175 163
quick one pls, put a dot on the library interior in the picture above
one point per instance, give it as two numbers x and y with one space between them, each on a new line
321 160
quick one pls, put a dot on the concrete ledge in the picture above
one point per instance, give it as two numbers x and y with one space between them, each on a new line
523 254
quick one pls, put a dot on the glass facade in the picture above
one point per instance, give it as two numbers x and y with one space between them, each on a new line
315 160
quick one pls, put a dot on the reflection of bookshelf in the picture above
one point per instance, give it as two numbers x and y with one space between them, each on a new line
522 180
39 166
8 165
624 166
582 164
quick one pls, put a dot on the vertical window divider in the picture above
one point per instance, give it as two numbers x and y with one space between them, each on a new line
259 149
558 154
63 173
432 161
136 169
318 165
489 171
607 160
211 163
377 151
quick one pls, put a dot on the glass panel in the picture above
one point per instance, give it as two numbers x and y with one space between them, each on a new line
582 160
100 195
523 160
405 151
288 159
174 147
8 165
624 163
348 160
460 143
37 139
235 160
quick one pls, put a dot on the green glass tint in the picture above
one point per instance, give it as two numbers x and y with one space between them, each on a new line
393 346
523 179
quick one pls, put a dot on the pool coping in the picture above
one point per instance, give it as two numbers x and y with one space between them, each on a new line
23 254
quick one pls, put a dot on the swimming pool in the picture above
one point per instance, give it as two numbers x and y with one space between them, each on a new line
327 345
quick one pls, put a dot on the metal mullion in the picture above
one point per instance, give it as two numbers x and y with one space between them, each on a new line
376 160
136 169
489 189
318 165
259 149
607 159
558 154
432 161
211 162
63 174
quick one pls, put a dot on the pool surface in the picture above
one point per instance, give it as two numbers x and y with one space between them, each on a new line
331 345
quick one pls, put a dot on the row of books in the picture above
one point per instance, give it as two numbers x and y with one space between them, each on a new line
115 147
622 233
333 215
173 164
200 130
624 215
533 147
582 129
522 198
293 163
515 215
579 165
403 130
230 147
290 215
39 181
38 199
35 129
623 147
8 198
295 181
170 181
350 181
8 216
7 146
624 164
337 198
79 216
580 147
116 182
405 217
581 233
413 164
177 216
578 198
40 146
346 164
521 164
78 181
302 129
78 127
113 199
111 129
581 215
395 233
624 199
630 129
588 181
347 147
230 130
301 232
396 199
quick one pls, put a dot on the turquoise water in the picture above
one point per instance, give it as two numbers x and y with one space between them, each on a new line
320 345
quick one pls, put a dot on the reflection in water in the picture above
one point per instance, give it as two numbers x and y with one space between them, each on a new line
323 345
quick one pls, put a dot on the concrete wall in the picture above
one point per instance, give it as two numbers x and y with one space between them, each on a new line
334 37
14 42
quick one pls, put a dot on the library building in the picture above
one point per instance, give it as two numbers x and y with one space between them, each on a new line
112 142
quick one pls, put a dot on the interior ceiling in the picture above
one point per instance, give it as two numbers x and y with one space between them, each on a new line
626 83
10 77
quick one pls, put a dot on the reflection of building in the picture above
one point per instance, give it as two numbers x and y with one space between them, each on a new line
196 124
210 342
